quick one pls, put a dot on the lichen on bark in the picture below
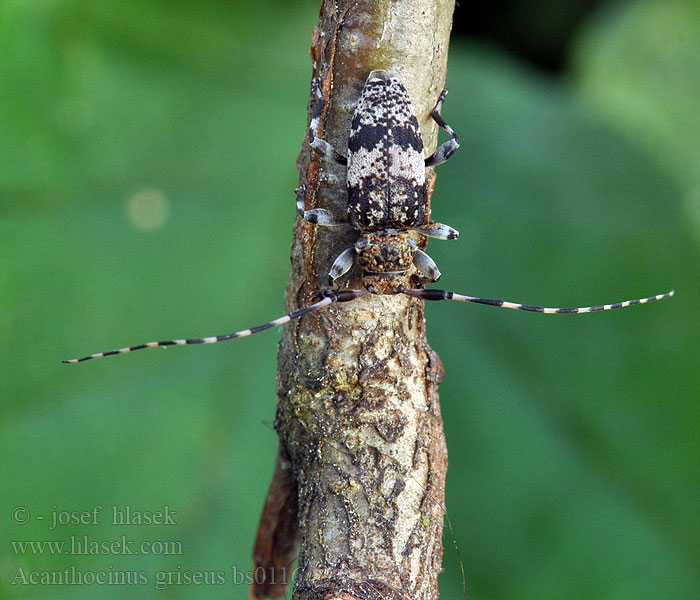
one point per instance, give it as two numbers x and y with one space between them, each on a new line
359 483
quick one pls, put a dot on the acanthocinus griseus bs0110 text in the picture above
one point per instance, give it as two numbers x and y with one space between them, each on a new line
386 200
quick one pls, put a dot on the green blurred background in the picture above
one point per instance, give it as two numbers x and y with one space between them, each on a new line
146 191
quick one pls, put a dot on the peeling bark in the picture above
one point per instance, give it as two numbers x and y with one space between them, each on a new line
362 460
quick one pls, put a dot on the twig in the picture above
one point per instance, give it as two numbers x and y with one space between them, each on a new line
362 454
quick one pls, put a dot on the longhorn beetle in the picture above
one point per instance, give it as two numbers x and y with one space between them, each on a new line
386 201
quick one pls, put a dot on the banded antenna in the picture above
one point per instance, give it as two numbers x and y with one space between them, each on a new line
328 297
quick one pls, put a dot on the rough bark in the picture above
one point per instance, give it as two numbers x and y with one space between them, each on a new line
359 483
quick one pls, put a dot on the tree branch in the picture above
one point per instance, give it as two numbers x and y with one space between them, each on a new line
361 440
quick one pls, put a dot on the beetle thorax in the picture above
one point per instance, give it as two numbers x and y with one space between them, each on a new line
385 257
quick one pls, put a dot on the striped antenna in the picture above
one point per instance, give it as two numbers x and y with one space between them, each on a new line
443 295
329 298
348 295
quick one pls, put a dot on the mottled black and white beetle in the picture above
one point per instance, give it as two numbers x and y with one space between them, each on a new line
386 202
386 187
